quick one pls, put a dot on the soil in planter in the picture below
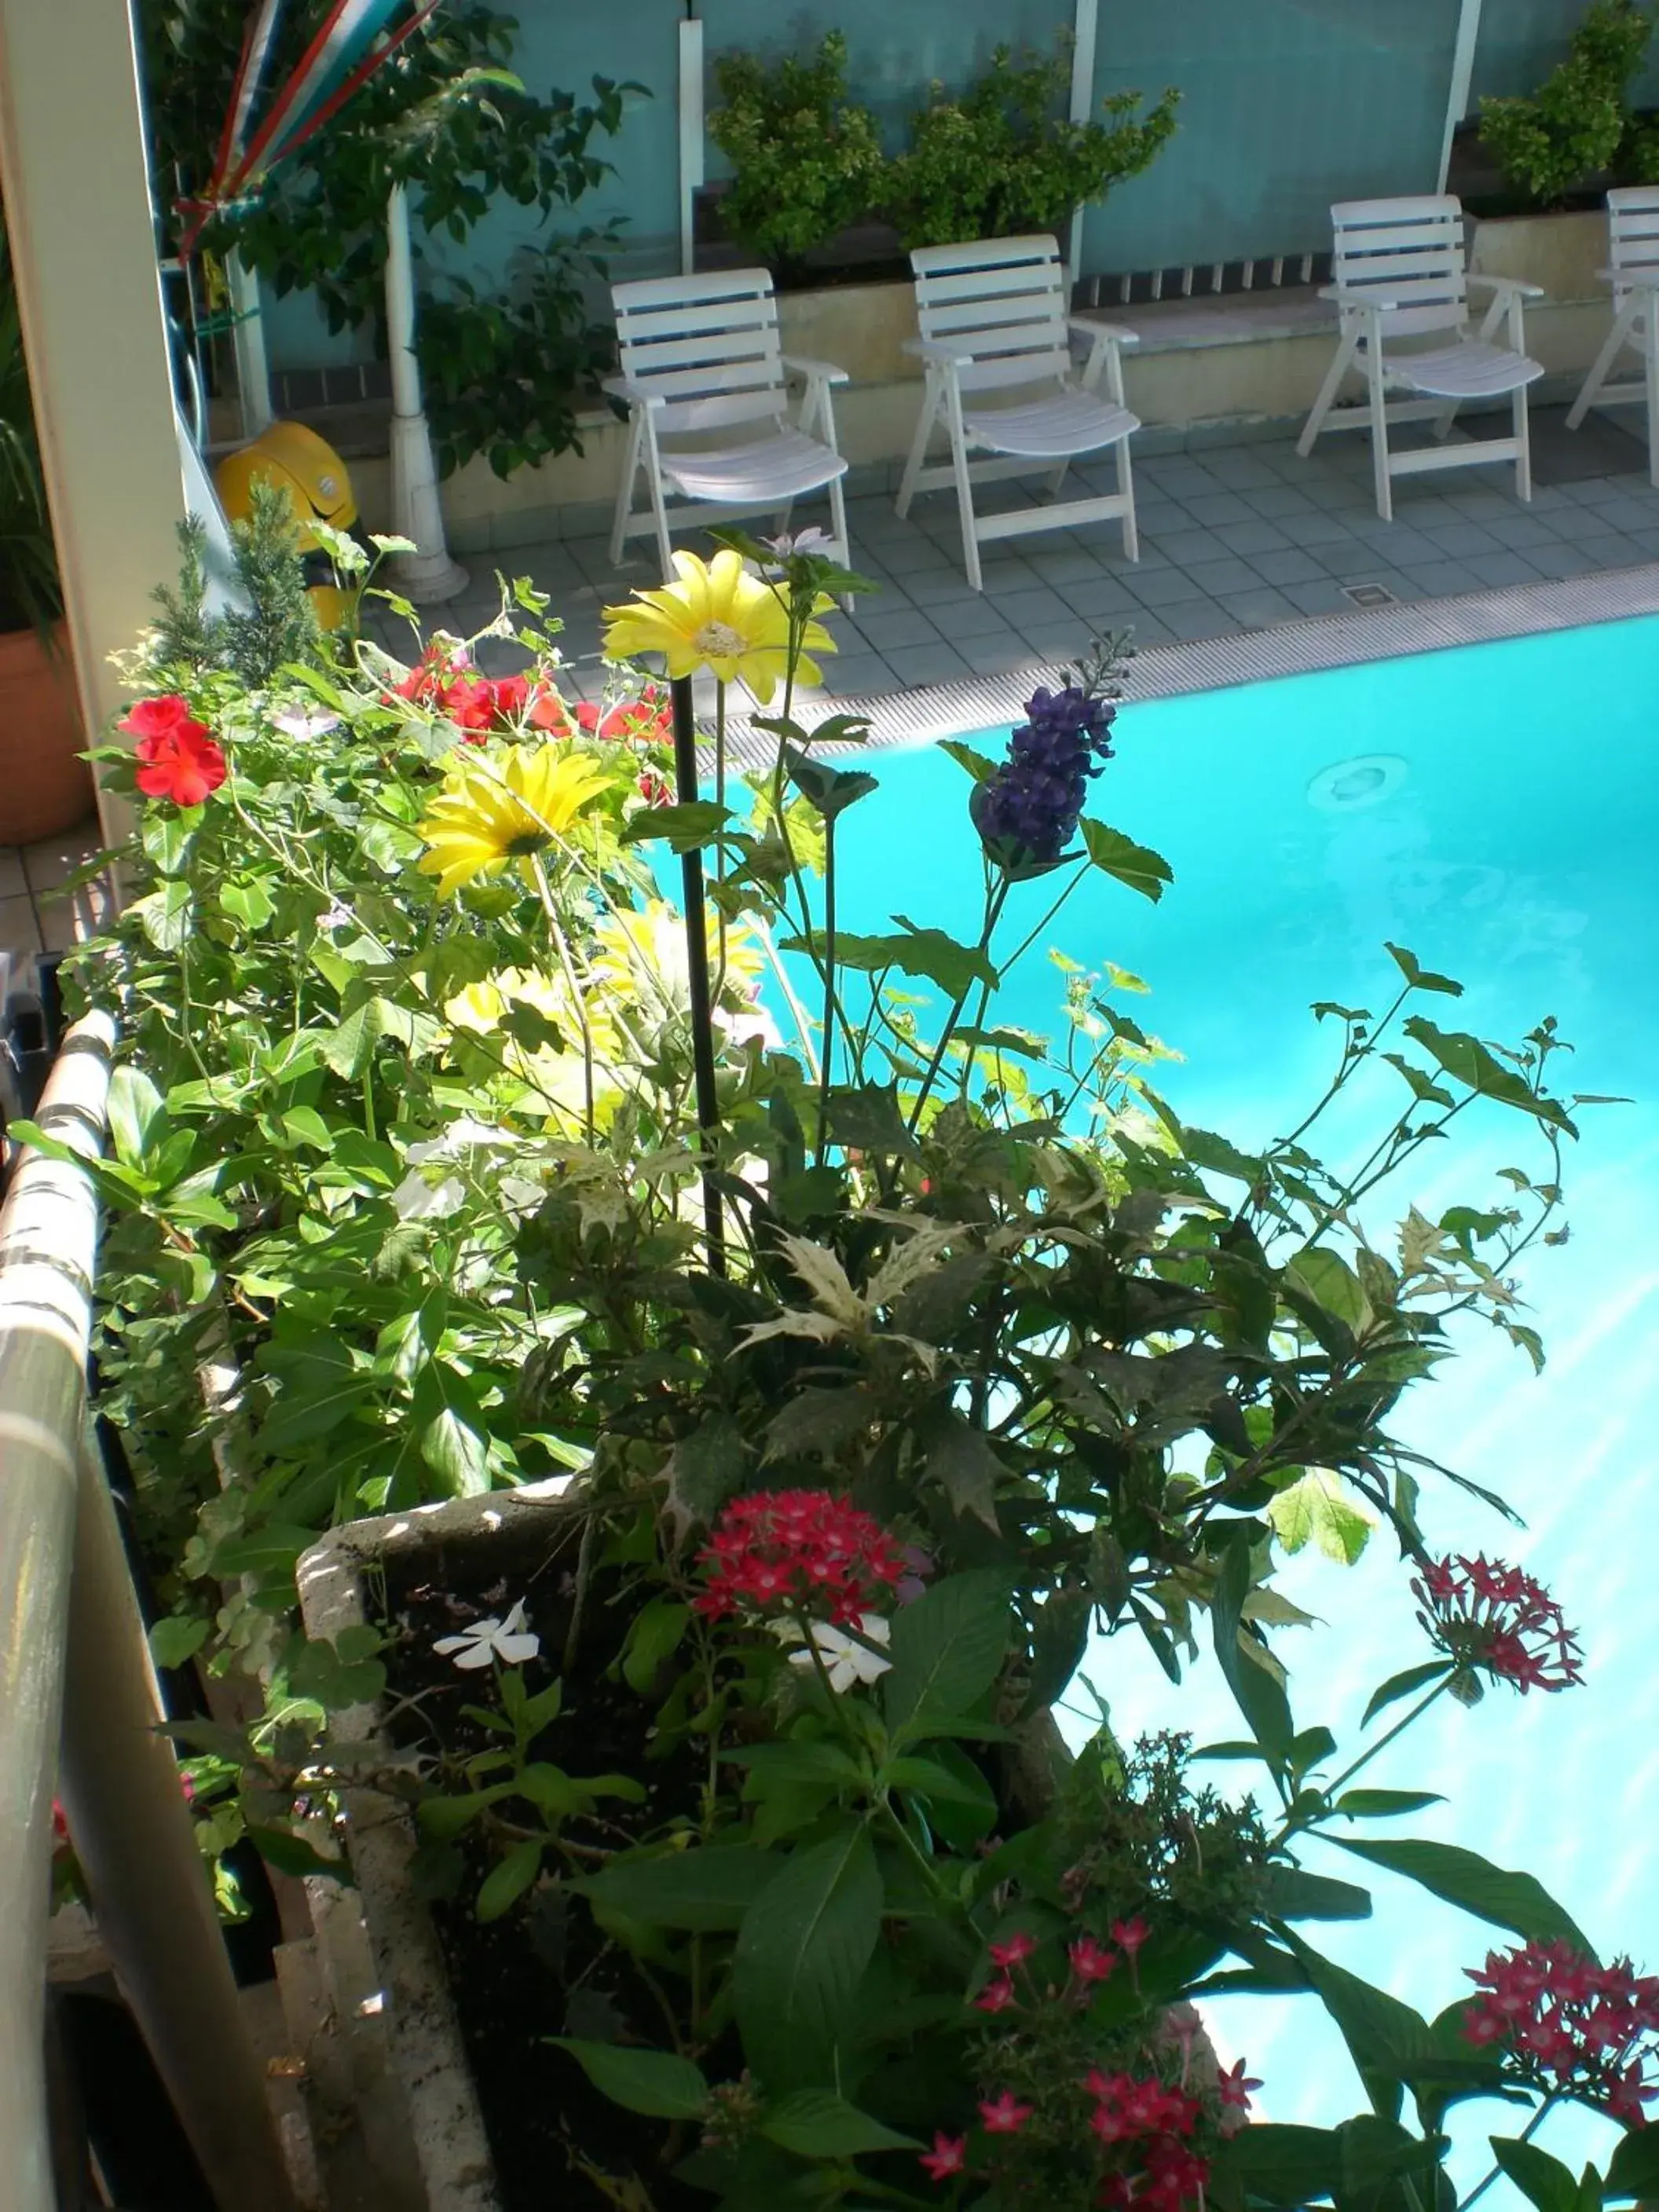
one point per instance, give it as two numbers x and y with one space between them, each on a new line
865 254
543 1969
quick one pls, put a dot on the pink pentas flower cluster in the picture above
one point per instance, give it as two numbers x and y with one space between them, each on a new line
1484 1613
1089 1961
785 1550
1572 2027
1155 2122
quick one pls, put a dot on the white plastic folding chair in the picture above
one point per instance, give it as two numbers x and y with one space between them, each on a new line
1400 278
993 318
702 354
1633 247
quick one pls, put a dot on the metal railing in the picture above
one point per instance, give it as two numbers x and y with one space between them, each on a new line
79 1709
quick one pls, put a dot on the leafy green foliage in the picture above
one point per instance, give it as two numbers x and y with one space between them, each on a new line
1555 142
808 162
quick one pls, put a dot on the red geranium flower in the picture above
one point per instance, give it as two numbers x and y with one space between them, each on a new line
177 757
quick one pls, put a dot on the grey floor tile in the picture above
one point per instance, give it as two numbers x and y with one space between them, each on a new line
1070 564
1181 546
1402 586
1241 471
1257 609
1496 570
1191 618
1399 543
994 656
1521 532
929 664
1443 579
1160 587
1034 603
1354 557
1154 514
932 588
1006 572
1646 540
19 930
1098 597
1179 475
1146 630
1317 529
1213 506
960 622
884 629
850 674
1281 569
1213 577
1417 508
1324 597
1577 524
1274 500
1486 504
1560 559
1613 551
1056 642
1252 538
1622 512
1455 541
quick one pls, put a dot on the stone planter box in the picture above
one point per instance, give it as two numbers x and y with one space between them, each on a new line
1562 252
426 2058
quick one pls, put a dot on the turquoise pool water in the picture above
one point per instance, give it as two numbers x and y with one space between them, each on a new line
1508 832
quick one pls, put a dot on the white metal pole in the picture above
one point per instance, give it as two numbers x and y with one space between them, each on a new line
48 1240
426 576
1462 79
248 338
1083 30
691 135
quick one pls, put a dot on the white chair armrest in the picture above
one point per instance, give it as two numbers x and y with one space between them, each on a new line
1117 333
624 388
815 372
1633 280
1510 286
1347 297
941 356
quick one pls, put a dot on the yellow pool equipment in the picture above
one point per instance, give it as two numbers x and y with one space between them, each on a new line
318 489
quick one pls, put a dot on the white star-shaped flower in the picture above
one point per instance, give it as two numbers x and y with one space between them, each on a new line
846 1661
507 1640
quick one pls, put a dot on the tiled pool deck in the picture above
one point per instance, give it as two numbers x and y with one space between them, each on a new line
1236 539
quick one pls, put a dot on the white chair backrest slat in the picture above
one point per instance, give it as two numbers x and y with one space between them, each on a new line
999 302
1407 253
708 346
1632 234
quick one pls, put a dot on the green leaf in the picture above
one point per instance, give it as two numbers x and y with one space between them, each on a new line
1516 1901
1281 2166
1327 1279
1421 978
960 1460
249 903
166 916
445 1818
177 1638
865 1117
1467 1059
507 1883
293 1856
137 1118
1291 1894
659 2083
1260 1698
832 791
1402 1685
656 1634
1384 2036
816 2123
801 1954
947 1650
1320 1509
1141 869
1634 2169
1541 2179
704 1890
684 829
978 765
1383 1804
450 1429
555 1794
941 959
337 1675
703 1470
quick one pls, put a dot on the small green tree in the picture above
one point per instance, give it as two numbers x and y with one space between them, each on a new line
1574 125
808 162
1004 159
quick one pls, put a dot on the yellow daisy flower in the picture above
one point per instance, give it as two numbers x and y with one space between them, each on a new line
720 617
490 811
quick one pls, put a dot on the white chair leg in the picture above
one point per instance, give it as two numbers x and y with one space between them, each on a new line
1600 369
918 454
1327 392
1057 477
625 489
1379 410
1126 491
842 549
964 490
1522 446
1445 418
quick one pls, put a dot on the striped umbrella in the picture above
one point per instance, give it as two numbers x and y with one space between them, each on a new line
351 43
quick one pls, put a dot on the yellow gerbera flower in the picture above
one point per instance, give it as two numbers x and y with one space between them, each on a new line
720 617
490 811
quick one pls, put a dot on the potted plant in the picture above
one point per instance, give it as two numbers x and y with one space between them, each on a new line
48 786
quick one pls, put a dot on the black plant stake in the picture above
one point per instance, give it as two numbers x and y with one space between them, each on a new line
696 962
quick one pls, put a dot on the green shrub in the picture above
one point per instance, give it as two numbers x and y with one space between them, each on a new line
808 162
1574 125
1004 159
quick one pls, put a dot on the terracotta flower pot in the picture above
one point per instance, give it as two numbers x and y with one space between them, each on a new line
44 787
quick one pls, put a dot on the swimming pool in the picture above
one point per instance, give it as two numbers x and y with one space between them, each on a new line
1495 808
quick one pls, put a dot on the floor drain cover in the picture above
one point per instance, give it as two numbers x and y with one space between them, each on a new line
1370 595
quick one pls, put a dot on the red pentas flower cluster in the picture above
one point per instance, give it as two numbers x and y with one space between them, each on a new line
1483 1613
778 1550
1569 2025
177 757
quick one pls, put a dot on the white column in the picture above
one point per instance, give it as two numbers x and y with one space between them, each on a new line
1084 29
428 575
691 133
248 338
1462 77
76 188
